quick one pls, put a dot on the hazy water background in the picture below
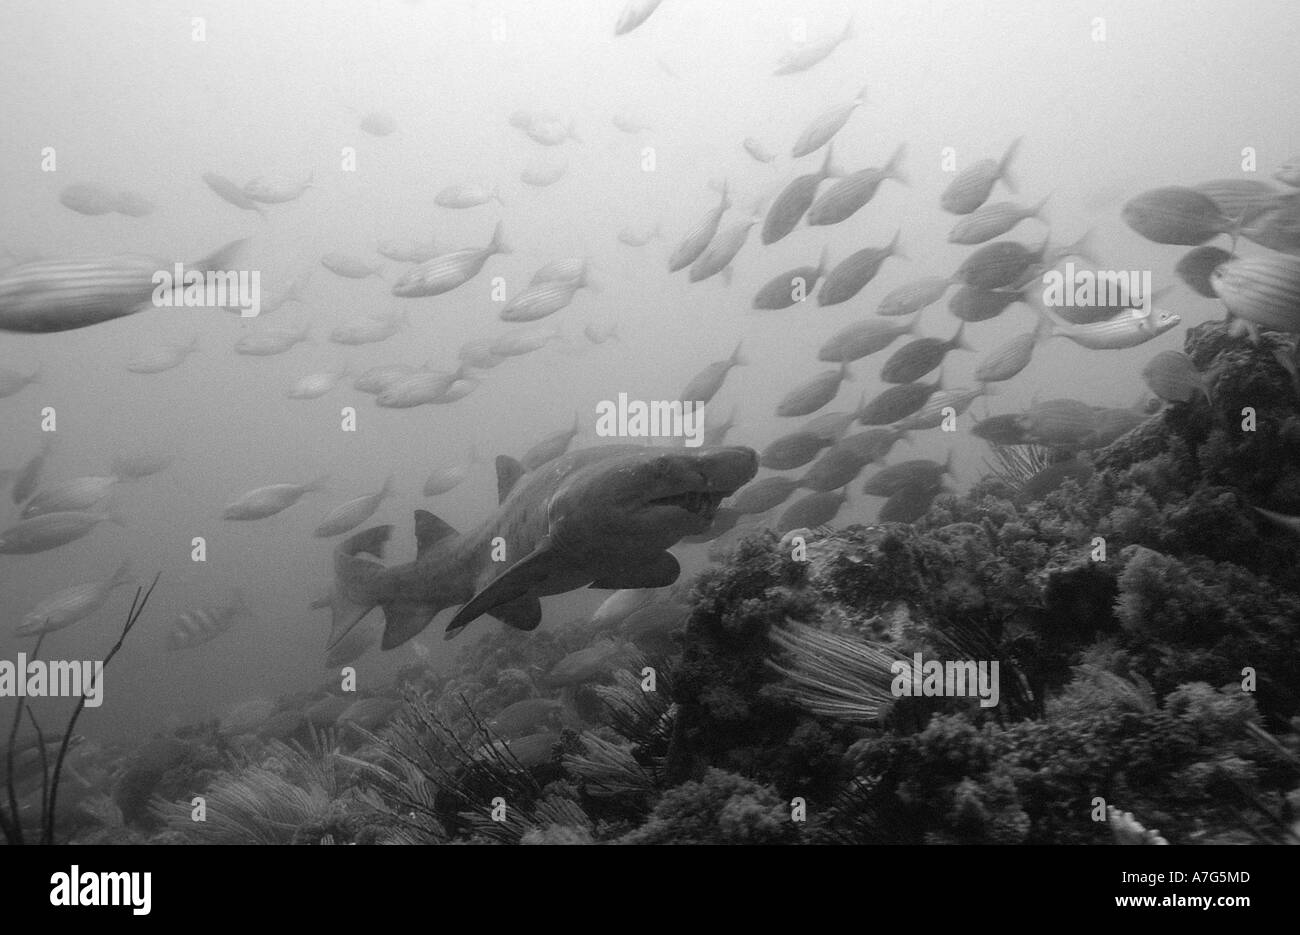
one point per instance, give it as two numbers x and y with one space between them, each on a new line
128 99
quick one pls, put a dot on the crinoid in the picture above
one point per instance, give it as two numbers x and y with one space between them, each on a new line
833 676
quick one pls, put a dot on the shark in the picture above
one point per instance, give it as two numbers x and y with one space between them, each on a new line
600 517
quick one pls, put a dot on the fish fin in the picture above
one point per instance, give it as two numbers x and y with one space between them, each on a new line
429 531
405 619
523 613
356 579
1004 165
1038 209
516 582
737 359
658 572
508 473
221 258
892 169
959 341
499 244
123 574
894 249
321 603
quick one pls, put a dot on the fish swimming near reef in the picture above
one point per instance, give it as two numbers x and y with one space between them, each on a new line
599 517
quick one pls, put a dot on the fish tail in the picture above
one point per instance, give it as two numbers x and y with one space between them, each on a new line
893 168
895 249
848 30
1084 248
316 484
223 257
738 359
359 582
1037 210
959 341
498 244
1004 166
387 489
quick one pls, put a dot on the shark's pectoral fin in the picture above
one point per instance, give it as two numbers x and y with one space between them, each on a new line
523 613
404 619
508 473
520 579
660 571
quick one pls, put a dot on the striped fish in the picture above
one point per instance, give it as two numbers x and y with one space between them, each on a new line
196 627
377 379
705 384
757 151
818 133
1176 215
999 264
348 266
917 358
228 191
933 413
316 385
897 403
805 56
1064 422
28 477
80 493
853 273
817 392
370 329
267 501
1004 362
542 174
566 270
993 220
863 338
850 193
60 295
698 238
1237 197
72 604
160 359
790 288
418 389
543 298
550 447
49 531
908 505
465 196
816 509
1173 377
1129 328
446 272
793 202
1198 265
722 250
971 304
831 426
407 251
356 511
1277 228
972 185
763 495
271 341
1288 173
917 473
791 451
839 465
1262 290
914 296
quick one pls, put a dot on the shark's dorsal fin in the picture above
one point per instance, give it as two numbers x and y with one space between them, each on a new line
429 530
508 473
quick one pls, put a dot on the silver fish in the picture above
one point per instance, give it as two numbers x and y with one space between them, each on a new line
137 466
77 495
805 56
353 513
276 191
635 12
12 381
792 287
542 174
917 358
820 132
790 206
791 451
1129 328
722 250
60 295
914 296
72 604
271 341
28 476
1240 197
757 151
370 330
160 359
705 384
1173 377
916 473
133 204
88 198
196 627
1007 360
316 385
1176 215
446 272
228 191
698 238
349 267
763 495
543 298
971 304
418 389
49 531
377 379
407 251
639 236
852 274
817 392
863 338
936 409
445 479
465 196
972 185
1262 290
993 220
848 194
267 501
550 447
816 509
1288 173
517 343
897 403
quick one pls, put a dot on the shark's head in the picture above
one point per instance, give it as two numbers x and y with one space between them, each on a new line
650 497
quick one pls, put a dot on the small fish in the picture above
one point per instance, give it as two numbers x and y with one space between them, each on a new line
465 196
28 477
635 12
993 220
1262 290
792 451
863 338
88 198
1063 422
851 192
714 431
133 204
971 186
757 151
550 131
913 296
140 465
543 174
450 270
908 505
816 509
1009 359
1112 424
1242 197
639 236
445 479
806 55
377 123
699 237
196 627
276 191
525 717
614 609
1277 228
1173 377
550 447
370 330
72 604
418 389
1176 215
518 343
705 384
267 501
12 381
49 531
936 409
838 466
721 250
851 275
1197 267
972 305
626 123
60 295
817 392
763 495
160 359
1129 328
917 358
906 474
353 513
831 426
599 334
872 444
229 192
822 129
459 389
789 207
1001 430
316 385
271 341
77 495
999 264
897 403
349 267
791 287
377 379
407 251
543 298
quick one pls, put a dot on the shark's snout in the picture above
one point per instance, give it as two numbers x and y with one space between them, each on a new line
726 470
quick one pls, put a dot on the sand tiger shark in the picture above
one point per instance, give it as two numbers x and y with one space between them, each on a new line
599 517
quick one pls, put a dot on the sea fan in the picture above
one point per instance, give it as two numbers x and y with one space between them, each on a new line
1015 465
834 676
610 769
643 717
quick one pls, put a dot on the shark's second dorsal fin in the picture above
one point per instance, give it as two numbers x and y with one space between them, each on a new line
508 473
429 530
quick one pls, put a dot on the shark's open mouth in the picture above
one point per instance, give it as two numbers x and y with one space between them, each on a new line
702 503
